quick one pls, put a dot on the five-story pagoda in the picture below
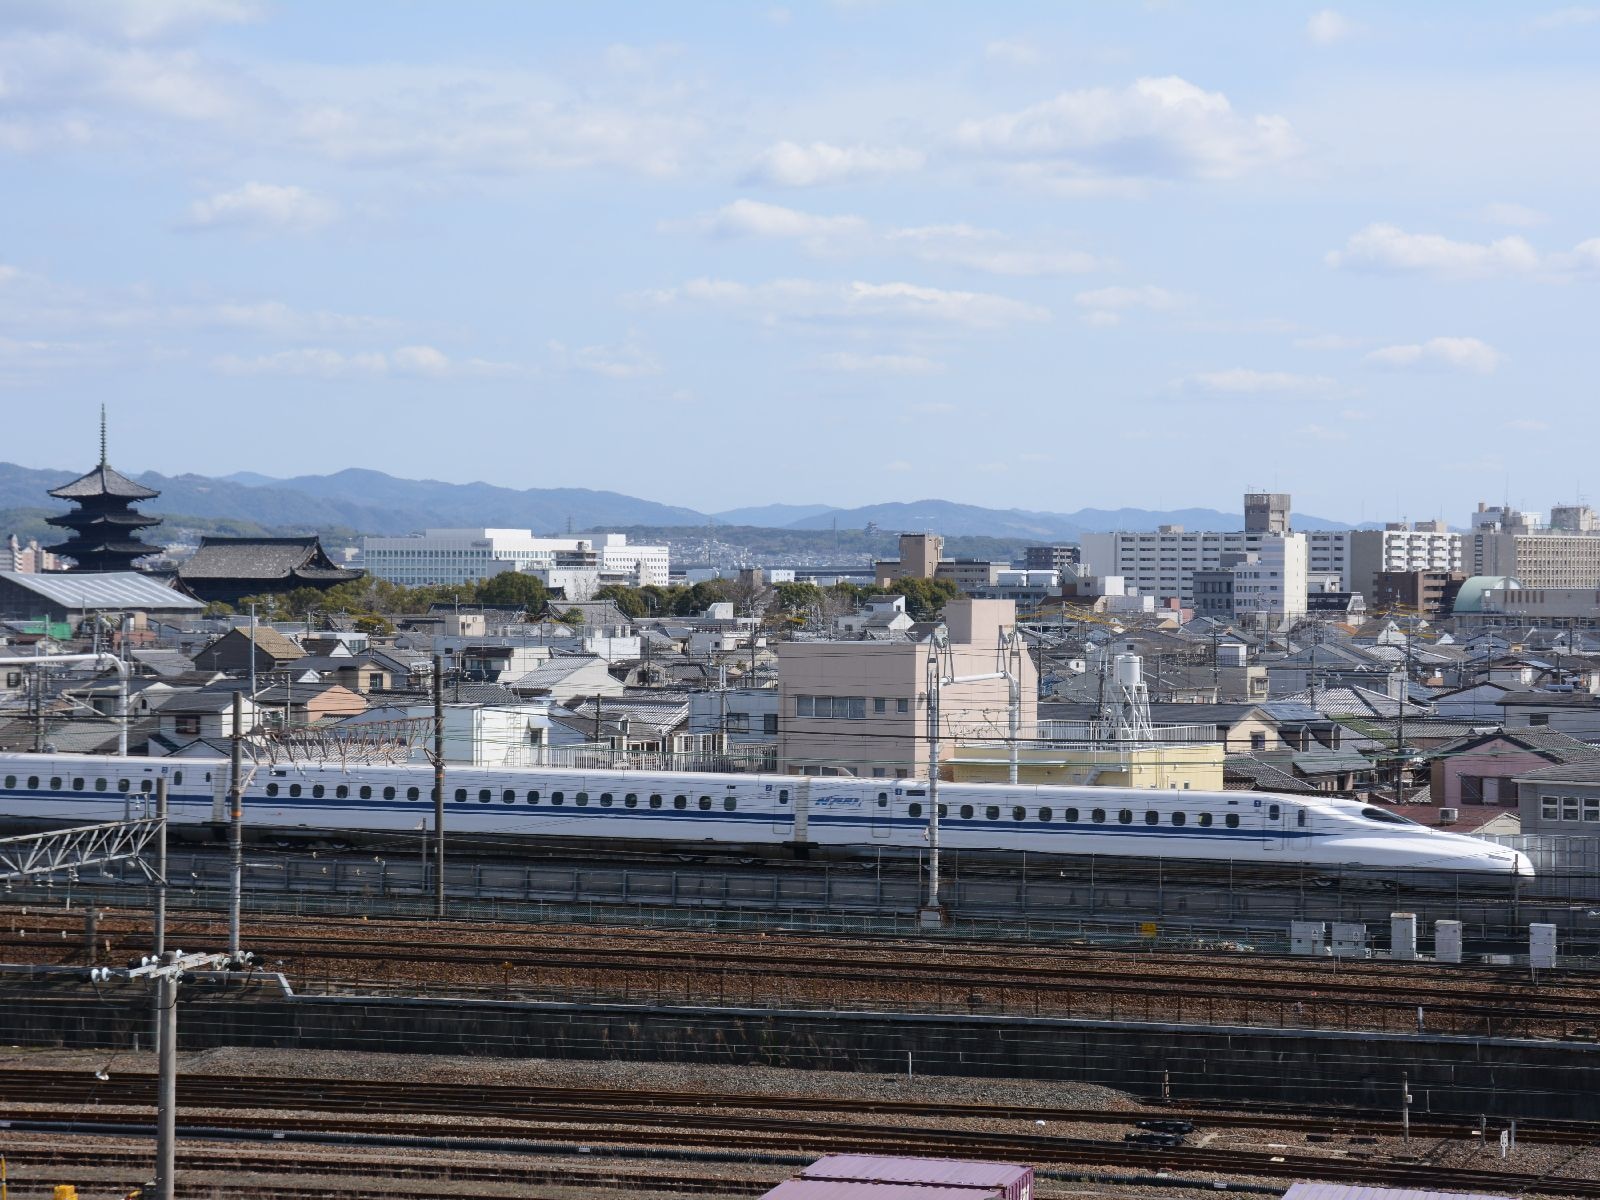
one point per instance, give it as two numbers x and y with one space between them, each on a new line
105 529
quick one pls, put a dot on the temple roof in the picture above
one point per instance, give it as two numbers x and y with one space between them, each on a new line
268 559
103 480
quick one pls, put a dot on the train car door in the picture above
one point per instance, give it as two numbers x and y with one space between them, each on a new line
882 812
1275 823
780 803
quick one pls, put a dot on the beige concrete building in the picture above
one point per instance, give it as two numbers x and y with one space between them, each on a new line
1539 560
861 708
1196 766
921 557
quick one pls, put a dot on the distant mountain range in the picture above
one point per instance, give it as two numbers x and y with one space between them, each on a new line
376 503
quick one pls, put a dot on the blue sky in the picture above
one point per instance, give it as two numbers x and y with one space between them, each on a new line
1034 255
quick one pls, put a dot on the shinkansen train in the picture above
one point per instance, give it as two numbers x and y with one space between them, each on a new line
748 812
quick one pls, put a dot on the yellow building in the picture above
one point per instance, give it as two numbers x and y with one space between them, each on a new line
1196 766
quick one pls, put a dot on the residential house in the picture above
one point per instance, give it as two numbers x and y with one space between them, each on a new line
568 678
299 705
1577 713
232 652
1560 798
1479 770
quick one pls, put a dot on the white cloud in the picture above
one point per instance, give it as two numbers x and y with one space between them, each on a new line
757 219
627 361
1526 425
1245 382
323 363
1322 433
261 206
1460 353
899 466
882 364
1387 248
809 300
1013 52
276 319
1106 305
1568 18
133 20
1518 216
789 164
1327 27
1155 128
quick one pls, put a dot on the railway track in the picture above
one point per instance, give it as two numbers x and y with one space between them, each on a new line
1048 981
87 1092
814 1136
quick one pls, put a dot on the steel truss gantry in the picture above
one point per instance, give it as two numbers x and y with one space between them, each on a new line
73 849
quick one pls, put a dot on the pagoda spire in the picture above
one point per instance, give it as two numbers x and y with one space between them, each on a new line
102 435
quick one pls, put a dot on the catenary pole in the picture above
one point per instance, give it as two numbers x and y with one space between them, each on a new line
438 784
236 823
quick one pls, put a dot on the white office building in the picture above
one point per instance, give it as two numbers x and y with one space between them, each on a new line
1162 564
445 556
1272 585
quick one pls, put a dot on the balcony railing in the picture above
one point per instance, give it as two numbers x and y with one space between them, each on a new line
1103 733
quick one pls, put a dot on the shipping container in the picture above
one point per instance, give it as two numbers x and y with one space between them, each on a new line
1014 1181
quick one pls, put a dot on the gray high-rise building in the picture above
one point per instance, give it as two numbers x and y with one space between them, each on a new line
1266 512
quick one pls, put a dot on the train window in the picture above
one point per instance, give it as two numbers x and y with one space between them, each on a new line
146 786
1274 812
1233 820
365 791
631 800
272 789
966 812
992 812
1152 817
1098 816
1179 819
1383 817
484 795
680 802
342 791
883 799
509 796
294 789
1300 816
655 799
77 785
1205 820
124 785
1125 816
55 782
11 781
533 796
944 811
388 793
558 797
413 793
461 794
914 809
33 781
583 799
783 795
1045 814
1019 813
729 803
705 802
100 785
605 799
177 778
1069 814
317 791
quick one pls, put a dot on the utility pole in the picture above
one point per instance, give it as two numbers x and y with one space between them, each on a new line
235 824
160 930
438 783
252 650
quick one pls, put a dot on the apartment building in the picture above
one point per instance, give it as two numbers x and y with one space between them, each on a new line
1538 560
445 556
1361 555
861 708
921 557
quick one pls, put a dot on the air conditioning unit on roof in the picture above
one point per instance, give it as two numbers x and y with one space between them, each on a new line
1449 816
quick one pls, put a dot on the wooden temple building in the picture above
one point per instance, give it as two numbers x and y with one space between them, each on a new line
105 527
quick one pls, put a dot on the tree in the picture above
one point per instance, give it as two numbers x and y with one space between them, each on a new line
218 609
513 587
798 597
631 601
374 625
573 617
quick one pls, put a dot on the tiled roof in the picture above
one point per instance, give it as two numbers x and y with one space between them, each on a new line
1568 772
266 559
103 480
1263 776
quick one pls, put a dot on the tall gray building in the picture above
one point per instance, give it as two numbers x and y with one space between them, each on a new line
1266 512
